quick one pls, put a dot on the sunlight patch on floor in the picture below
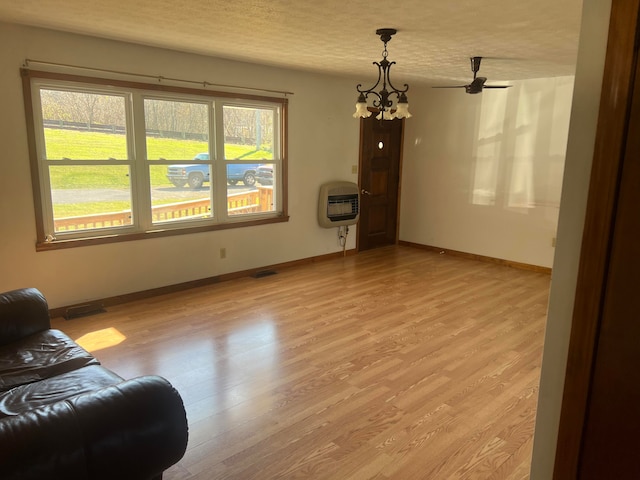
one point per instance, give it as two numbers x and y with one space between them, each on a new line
105 338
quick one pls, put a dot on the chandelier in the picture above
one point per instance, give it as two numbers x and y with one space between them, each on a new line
381 99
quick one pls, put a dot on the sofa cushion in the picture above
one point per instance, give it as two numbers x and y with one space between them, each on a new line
22 313
54 389
38 356
132 430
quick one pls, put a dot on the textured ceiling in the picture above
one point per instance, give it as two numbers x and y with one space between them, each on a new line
520 39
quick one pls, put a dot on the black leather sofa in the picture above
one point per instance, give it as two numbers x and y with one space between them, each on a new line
64 416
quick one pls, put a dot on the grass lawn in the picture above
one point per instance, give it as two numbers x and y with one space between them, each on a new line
80 209
73 144
63 210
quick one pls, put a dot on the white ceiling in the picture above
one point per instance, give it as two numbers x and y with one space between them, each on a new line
518 38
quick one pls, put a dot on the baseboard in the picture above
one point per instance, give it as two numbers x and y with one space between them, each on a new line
154 292
480 258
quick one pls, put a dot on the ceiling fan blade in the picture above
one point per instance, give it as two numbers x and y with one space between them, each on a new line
451 86
497 86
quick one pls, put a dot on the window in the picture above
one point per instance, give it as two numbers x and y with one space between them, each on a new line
120 160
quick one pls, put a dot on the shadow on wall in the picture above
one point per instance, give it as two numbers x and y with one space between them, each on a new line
519 149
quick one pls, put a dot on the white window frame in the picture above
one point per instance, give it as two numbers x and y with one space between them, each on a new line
139 166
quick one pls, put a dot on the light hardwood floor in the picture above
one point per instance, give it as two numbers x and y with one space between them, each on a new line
395 363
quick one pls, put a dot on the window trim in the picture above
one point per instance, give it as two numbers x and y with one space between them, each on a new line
156 231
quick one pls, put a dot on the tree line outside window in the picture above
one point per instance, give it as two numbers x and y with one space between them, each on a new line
65 109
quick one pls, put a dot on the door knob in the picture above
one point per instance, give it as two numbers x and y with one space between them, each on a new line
365 192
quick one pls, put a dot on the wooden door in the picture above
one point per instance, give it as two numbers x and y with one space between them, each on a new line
612 428
599 428
380 157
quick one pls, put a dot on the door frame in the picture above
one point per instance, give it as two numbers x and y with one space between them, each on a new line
611 139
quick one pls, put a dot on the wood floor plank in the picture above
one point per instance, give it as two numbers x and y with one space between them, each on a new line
396 363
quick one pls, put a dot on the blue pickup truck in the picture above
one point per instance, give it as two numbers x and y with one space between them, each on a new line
195 175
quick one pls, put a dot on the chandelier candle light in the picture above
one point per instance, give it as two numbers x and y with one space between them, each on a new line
381 99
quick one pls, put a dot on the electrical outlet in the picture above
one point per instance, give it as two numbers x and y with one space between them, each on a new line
354 168
223 252
553 241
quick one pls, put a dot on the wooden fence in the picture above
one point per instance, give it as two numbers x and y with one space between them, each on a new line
254 201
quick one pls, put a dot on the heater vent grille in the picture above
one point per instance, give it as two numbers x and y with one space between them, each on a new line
338 204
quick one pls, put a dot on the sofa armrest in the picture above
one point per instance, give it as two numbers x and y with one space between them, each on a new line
22 313
135 429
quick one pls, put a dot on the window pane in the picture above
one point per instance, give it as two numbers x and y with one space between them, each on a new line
242 194
248 133
90 197
83 126
178 193
250 188
176 130
267 181
192 174
265 175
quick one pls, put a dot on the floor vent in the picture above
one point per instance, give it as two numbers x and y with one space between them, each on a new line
83 310
264 273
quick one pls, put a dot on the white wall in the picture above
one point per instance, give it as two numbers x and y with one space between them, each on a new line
580 148
323 145
482 173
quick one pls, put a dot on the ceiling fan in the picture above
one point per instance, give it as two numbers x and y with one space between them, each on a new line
478 83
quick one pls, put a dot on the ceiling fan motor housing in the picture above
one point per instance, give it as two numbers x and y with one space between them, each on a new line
475 86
